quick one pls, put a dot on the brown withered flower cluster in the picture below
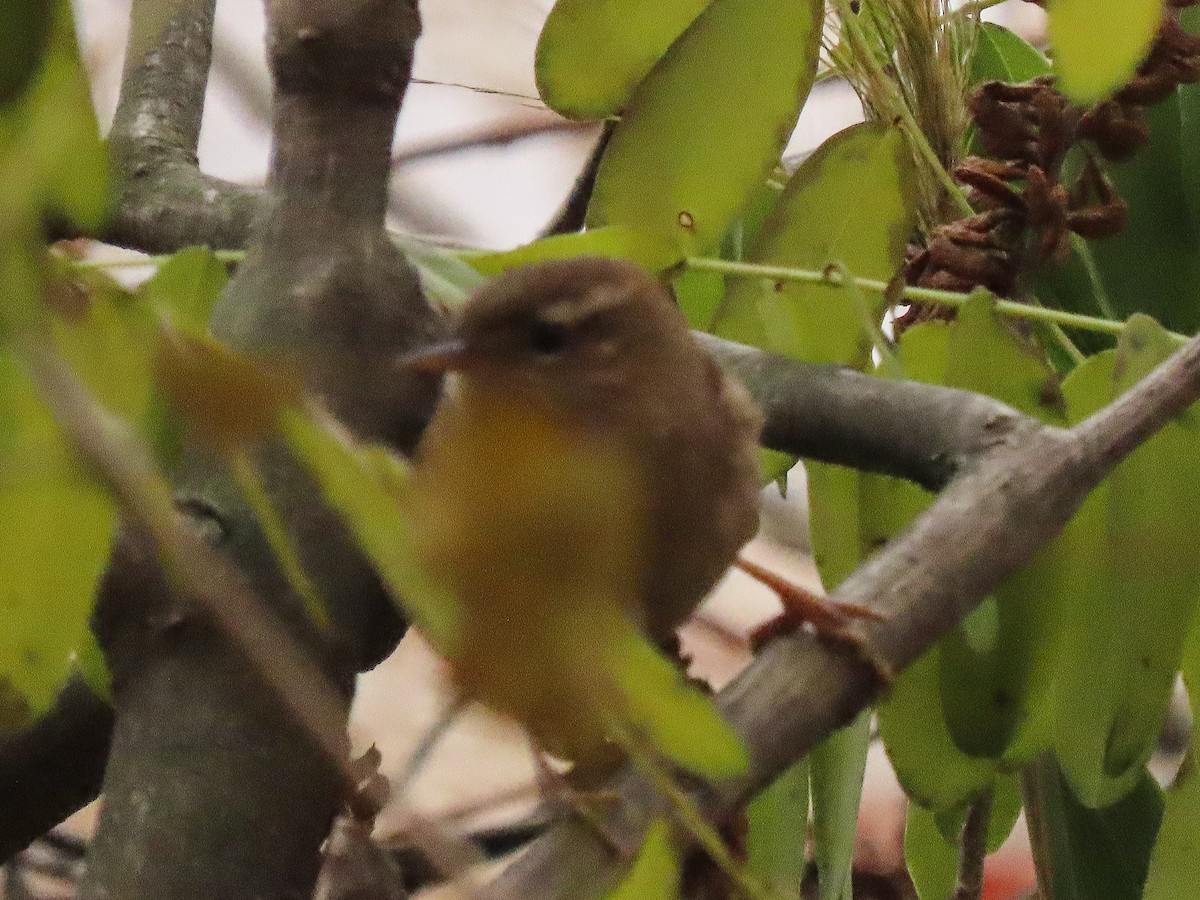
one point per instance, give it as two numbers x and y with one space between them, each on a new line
1026 214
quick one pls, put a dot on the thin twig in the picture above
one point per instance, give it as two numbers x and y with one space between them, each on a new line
972 847
833 278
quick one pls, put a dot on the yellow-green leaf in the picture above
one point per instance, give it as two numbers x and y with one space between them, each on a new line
778 819
369 487
1099 43
55 527
709 122
1133 585
593 53
649 251
655 872
678 720
1001 55
186 287
1175 863
853 202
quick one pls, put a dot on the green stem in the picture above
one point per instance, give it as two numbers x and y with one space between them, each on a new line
928 295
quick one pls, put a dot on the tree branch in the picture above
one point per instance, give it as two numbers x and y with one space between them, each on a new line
972 847
201 744
163 201
988 523
921 432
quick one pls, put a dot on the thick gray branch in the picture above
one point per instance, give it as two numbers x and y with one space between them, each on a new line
921 432
163 201
987 524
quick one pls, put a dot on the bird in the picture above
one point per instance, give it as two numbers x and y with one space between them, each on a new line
589 475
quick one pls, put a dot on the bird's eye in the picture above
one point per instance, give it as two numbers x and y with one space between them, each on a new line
548 338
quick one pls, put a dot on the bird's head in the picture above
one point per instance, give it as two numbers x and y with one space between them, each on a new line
570 331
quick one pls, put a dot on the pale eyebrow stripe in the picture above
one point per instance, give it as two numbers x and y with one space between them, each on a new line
594 301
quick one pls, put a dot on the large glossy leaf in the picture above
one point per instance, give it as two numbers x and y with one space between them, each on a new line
987 664
931 838
851 202
778 819
593 53
1152 266
837 765
953 715
709 122
1099 43
932 860
56 526
1133 584
1091 854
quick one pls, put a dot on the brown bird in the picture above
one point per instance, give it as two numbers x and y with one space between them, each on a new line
589 476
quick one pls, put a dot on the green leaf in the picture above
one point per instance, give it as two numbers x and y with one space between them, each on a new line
779 831
50 149
655 872
93 668
852 201
185 288
1099 43
24 32
446 278
592 55
988 664
648 250
932 860
1006 807
709 122
107 339
1132 579
1175 863
369 487
837 766
1001 55
1092 854
1152 265
679 721
955 714
56 526
931 838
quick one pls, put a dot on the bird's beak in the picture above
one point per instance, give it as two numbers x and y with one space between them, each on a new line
446 356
